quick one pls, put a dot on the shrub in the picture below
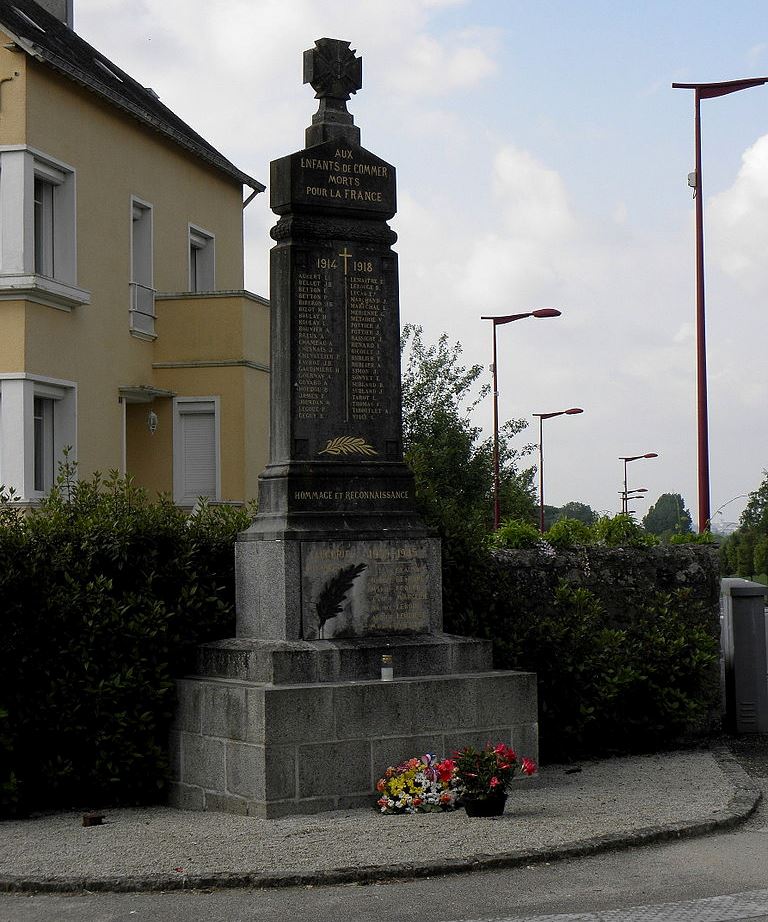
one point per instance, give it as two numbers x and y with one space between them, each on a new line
569 533
621 531
704 537
102 593
515 534
605 685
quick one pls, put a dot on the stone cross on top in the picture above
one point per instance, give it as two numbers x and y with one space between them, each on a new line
335 74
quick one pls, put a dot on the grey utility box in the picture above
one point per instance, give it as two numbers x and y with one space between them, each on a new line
744 641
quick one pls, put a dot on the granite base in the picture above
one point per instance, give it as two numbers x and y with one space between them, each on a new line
271 750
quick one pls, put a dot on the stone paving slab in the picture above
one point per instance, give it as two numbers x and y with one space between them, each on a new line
564 812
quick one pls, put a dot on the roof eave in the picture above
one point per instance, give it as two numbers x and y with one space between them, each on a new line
100 89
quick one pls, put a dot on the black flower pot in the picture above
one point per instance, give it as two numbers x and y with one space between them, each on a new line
492 805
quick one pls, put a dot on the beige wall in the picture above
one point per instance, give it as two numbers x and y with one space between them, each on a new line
13 93
219 347
12 326
150 456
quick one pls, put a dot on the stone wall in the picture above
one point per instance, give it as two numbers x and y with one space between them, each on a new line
623 579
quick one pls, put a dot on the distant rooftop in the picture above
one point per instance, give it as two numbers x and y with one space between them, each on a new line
49 40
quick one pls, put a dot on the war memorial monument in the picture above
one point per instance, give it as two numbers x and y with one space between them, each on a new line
338 577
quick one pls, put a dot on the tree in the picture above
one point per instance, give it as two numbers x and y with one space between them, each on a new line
755 514
668 516
747 547
452 465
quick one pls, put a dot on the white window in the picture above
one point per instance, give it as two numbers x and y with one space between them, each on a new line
201 260
44 228
142 309
38 254
38 420
44 472
195 449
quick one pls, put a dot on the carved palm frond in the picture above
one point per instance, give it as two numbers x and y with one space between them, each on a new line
330 601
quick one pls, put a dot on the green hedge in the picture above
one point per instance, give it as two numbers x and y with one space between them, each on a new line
103 592
629 671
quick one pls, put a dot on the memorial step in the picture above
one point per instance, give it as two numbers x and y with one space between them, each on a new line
276 750
342 660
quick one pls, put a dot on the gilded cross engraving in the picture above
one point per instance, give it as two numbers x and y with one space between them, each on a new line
345 255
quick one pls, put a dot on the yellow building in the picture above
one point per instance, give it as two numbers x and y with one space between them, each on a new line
125 332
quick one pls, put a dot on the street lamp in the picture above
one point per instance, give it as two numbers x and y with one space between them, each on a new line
626 460
542 417
705 91
498 321
631 496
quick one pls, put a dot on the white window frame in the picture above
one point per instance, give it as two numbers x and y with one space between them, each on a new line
142 287
45 227
52 278
17 429
182 406
44 434
202 259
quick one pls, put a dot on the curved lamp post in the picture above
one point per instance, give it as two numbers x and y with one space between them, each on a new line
726 503
705 91
498 321
542 417
626 460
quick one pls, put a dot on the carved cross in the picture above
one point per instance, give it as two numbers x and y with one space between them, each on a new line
332 69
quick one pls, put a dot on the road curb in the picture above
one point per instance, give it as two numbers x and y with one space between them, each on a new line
742 804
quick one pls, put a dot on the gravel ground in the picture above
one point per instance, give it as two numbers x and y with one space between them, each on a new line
561 806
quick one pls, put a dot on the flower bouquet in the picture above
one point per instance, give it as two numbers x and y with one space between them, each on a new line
418 786
482 777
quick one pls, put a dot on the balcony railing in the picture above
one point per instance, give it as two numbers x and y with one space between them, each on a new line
142 308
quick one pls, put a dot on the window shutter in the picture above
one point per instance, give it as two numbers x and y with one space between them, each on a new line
198 433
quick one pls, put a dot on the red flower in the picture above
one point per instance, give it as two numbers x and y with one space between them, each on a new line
381 784
445 770
494 782
528 767
416 801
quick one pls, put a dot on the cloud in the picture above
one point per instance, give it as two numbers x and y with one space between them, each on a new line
432 66
532 197
737 222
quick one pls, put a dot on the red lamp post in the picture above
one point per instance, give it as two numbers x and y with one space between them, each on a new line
705 91
542 417
498 321
626 460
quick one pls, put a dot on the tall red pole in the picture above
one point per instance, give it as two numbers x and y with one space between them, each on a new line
705 91
496 487
701 344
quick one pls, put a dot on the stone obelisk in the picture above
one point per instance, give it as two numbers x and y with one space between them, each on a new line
336 504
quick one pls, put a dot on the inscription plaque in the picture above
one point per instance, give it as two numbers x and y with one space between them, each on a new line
388 596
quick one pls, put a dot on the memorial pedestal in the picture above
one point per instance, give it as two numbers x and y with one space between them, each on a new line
272 748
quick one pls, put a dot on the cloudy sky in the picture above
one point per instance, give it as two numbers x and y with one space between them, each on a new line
542 159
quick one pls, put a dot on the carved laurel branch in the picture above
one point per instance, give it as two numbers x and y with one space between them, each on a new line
348 445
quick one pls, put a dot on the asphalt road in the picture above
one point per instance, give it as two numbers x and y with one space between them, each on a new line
710 879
